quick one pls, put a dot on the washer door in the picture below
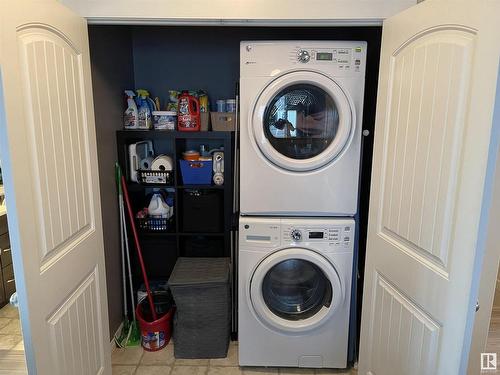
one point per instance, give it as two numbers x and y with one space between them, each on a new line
295 290
303 121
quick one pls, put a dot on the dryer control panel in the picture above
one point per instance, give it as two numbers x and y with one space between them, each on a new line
340 58
345 59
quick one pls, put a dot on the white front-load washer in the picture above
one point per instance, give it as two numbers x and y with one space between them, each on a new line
294 289
301 113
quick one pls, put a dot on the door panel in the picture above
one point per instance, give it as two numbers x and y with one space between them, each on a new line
51 69
423 142
409 337
432 141
74 331
48 152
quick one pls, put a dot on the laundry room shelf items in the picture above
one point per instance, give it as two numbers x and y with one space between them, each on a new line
164 242
156 178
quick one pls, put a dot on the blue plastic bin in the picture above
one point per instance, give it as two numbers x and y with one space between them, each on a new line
196 172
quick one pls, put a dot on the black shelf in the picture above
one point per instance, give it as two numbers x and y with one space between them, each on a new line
199 187
202 234
157 234
184 234
159 134
161 249
135 187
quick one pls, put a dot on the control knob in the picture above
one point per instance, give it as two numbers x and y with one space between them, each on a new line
296 235
303 56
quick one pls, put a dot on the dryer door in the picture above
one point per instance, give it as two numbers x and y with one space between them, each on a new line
295 290
302 121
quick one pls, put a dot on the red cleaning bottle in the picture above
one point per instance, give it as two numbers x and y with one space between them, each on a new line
188 113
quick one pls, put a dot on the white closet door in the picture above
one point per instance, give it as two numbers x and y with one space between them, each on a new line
434 138
48 151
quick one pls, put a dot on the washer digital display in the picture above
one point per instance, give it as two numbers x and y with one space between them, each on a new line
316 234
328 56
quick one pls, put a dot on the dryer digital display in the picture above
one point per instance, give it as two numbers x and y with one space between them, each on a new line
328 56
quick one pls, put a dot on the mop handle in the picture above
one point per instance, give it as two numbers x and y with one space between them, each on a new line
127 251
138 248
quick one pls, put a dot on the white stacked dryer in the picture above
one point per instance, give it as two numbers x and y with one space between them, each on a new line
300 142
301 113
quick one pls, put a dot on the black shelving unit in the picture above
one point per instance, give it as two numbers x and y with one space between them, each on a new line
161 249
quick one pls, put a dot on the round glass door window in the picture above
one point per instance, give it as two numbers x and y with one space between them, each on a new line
301 121
296 289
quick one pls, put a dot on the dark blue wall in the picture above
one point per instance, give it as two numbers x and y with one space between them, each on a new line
174 58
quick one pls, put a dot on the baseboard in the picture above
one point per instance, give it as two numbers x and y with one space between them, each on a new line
117 333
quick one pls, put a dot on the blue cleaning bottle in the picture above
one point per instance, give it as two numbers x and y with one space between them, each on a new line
145 121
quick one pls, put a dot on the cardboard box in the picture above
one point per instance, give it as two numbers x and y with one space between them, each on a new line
204 121
223 121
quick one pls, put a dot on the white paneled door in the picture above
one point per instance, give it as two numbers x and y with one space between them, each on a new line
48 150
434 138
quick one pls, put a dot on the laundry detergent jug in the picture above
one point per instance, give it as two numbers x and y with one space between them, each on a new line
188 113
159 208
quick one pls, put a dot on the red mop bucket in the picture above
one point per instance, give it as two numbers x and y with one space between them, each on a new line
156 334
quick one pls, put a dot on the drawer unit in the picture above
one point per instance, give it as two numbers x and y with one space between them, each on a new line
8 281
5 252
3 224
3 300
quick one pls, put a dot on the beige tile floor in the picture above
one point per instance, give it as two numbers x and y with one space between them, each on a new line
12 361
135 361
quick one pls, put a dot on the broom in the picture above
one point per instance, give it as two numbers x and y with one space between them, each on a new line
129 335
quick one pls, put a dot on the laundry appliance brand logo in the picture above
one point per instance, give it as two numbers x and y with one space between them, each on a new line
488 361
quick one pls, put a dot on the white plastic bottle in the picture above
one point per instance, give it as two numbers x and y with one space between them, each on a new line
158 207
131 115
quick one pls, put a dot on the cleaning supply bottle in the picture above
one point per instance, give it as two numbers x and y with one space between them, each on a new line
131 115
188 113
151 103
145 114
158 207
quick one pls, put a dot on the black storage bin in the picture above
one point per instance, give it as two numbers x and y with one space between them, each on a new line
202 246
202 211
201 291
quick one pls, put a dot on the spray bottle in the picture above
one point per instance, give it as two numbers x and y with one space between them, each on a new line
145 113
151 103
131 115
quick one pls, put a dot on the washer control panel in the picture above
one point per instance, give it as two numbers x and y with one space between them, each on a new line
266 233
336 235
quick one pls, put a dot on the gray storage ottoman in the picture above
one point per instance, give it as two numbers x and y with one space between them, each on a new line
200 287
